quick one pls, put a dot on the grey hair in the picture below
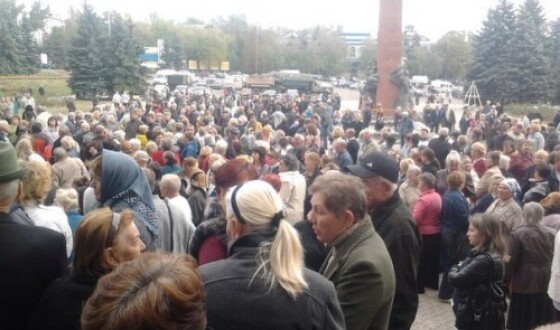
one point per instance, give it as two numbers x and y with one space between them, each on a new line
60 153
414 168
532 213
9 189
171 181
504 162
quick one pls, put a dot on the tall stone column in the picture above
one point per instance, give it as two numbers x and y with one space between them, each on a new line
389 52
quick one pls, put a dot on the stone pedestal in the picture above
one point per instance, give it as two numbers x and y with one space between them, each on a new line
389 52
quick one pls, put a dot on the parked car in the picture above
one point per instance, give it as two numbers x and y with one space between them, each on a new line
199 90
181 89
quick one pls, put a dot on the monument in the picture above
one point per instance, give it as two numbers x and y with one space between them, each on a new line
389 52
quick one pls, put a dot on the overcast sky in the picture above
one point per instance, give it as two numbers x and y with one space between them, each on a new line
432 18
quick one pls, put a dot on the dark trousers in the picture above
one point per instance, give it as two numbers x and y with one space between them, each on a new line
428 269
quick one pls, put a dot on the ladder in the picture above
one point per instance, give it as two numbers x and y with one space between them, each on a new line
472 96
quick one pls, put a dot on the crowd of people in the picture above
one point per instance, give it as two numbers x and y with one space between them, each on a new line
259 212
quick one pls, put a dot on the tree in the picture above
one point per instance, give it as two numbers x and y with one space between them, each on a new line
489 68
369 53
454 52
530 64
556 59
122 69
18 45
86 60
173 52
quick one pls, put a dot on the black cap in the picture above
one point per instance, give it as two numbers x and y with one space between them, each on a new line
375 164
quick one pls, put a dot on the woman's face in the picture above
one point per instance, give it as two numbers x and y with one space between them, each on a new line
51 122
452 166
256 157
96 185
467 165
508 149
127 245
494 186
475 236
503 192
310 165
526 148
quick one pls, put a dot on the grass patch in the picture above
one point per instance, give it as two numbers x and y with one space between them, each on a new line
56 89
547 111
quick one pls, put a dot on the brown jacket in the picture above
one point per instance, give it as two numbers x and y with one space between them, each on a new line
531 249
67 170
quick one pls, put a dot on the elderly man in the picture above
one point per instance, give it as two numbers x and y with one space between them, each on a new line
368 145
169 188
32 257
293 188
393 221
67 170
342 156
358 263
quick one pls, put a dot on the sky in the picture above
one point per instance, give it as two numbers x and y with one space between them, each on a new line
432 18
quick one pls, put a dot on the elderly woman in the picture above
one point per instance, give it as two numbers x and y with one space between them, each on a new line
197 196
210 242
531 247
36 186
505 207
67 199
467 167
492 169
522 160
103 240
427 214
71 147
551 205
265 273
452 163
25 152
478 153
541 185
485 201
171 297
540 157
409 190
68 170
536 137
361 269
430 163
454 224
119 183
472 278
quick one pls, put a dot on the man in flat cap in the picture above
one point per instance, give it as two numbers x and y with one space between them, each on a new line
393 221
30 257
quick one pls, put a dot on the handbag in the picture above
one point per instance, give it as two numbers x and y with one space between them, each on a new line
490 304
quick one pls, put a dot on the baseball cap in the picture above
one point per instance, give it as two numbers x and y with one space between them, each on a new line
373 164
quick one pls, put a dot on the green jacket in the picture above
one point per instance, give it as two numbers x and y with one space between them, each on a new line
362 272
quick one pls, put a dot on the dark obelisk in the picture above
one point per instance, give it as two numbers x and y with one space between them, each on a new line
389 52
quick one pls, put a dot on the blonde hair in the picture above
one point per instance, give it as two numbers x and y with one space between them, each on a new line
36 184
281 260
479 148
66 198
24 149
68 142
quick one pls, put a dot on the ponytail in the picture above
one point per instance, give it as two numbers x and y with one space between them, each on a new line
286 259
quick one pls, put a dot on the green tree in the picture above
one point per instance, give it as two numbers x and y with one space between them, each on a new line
369 53
455 53
86 60
556 59
173 52
18 45
122 69
530 63
424 61
490 64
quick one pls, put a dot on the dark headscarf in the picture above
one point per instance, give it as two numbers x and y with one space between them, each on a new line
122 180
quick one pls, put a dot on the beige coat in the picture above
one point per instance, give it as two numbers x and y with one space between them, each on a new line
67 170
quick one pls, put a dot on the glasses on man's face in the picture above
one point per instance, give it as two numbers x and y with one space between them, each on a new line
115 223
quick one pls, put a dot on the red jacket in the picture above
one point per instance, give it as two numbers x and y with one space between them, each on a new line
427 212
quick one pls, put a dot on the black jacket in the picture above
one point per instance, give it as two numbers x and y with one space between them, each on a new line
394 223
315 251
237 299
61 305
31 258
441 148
470 279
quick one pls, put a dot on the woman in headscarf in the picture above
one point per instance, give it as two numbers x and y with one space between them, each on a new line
505 207
119 183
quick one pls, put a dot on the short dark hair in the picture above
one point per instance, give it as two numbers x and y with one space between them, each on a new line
291 162
543 170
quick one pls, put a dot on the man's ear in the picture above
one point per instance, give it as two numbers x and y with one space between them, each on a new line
109 258
349 219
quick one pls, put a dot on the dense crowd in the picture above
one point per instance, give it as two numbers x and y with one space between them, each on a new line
260 212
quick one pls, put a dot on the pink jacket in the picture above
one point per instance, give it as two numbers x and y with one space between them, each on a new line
427 212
